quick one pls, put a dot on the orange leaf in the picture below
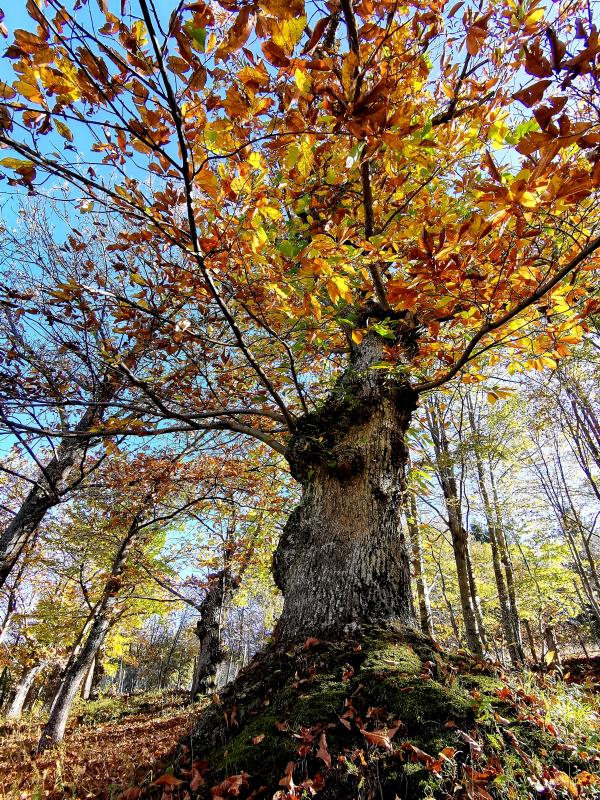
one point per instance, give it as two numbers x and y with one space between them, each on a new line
274 54
167 780
317 33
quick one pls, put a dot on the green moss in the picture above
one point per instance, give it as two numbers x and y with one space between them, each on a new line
322 700
248 751
385 656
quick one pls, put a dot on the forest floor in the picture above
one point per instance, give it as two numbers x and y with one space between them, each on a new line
115 744
111 744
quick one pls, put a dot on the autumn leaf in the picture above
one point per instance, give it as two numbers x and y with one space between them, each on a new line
167 780
323 752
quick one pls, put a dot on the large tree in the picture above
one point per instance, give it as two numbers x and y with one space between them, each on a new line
347 205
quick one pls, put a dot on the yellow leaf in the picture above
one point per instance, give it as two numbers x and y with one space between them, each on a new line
29 88
348 67
16 163
303 81
288 33
529 200
6 92
333 291
357 337
306 158
343 288
64 130
535 17
255 160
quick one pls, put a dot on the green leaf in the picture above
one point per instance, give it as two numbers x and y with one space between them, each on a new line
289 249
197 34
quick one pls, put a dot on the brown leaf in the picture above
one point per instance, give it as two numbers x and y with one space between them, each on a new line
317 33
536 63
167 780
491 166
531 95
311 642
476 37
323 752
133 793
274 54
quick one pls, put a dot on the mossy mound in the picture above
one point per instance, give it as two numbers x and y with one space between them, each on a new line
382 714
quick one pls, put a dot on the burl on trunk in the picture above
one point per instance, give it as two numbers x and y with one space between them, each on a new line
343 557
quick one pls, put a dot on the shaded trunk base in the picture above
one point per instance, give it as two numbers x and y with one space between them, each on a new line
379 714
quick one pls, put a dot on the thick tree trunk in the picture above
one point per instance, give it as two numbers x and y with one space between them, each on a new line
49 490
342 557
77 669
15 708
54 730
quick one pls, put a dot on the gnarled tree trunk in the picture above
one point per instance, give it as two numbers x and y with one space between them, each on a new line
342 557
221 587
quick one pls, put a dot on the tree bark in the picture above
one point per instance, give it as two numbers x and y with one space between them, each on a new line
87 683
99 672
73 676
15 708
531 641
342 557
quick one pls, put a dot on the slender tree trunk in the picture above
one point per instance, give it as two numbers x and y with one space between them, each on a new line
87 683
460 541
6 620
72 678
506 615
99 672
49 490
451 614
414 531
15 708
551 647
531 641
342 557
4 684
